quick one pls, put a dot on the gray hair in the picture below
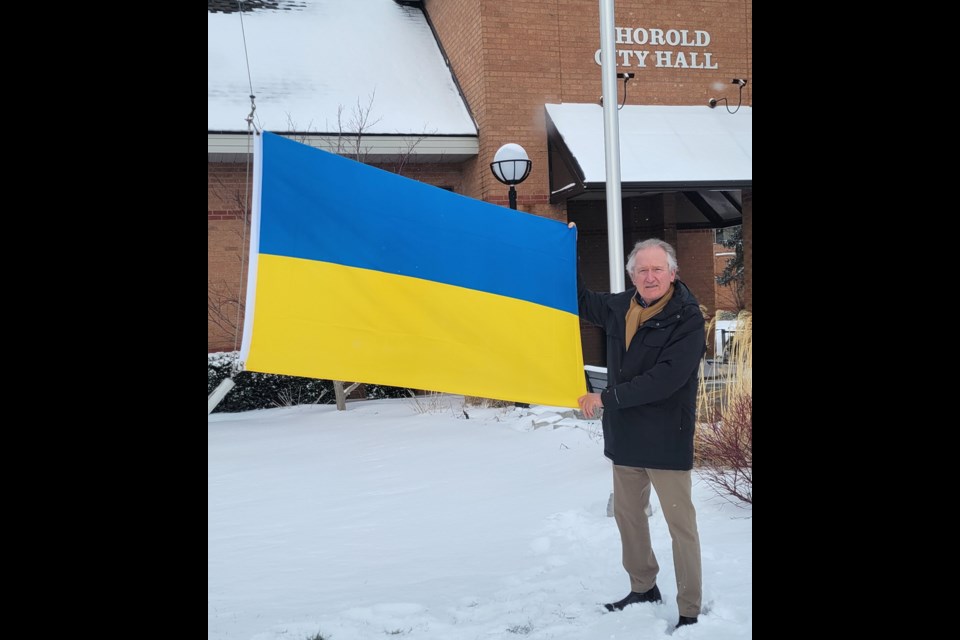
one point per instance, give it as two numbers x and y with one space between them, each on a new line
649 244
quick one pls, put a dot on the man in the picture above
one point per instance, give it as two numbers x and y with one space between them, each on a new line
655 341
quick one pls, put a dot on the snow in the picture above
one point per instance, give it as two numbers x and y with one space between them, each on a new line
661 143
432 519
311 58
723 329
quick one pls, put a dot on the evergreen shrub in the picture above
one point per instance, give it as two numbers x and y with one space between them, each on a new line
254 390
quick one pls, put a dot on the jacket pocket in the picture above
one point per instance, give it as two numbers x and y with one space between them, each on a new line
655 337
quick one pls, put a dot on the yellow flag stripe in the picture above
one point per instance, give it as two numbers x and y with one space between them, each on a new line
369 326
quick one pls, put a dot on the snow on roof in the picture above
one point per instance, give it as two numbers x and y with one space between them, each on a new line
661 143
311 58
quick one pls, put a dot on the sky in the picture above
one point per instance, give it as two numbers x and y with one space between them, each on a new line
311 57
431 519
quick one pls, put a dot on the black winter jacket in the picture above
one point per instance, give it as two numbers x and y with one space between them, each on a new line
650 402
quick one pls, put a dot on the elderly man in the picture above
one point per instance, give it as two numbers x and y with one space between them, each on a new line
655 341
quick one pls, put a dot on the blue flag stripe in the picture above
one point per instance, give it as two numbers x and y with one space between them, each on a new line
361 216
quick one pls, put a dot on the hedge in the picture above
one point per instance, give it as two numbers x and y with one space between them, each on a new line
254 390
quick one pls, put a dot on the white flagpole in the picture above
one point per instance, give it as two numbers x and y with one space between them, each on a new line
611 144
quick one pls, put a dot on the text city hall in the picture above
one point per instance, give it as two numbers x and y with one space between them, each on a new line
657 38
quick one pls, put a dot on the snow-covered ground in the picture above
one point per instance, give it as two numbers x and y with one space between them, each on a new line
430 519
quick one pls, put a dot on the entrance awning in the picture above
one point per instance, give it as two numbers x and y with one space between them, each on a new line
707 154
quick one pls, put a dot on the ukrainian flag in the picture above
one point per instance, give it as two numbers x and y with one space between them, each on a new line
361 275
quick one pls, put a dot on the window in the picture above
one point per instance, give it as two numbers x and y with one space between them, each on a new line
725 235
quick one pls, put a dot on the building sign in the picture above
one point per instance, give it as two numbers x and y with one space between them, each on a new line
662 49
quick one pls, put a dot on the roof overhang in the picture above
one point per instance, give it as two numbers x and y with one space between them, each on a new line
227 146
705 154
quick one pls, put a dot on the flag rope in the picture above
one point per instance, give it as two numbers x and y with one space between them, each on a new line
251 128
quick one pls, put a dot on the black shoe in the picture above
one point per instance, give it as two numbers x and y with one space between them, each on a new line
686 620
651 595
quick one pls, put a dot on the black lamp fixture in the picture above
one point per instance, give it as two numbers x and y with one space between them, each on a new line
712 102
511 166
626 78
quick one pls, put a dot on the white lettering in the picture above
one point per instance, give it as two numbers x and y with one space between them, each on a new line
671 38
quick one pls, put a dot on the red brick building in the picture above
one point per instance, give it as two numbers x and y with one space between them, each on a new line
508 61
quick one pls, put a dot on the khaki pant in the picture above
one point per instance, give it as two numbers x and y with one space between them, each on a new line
631 496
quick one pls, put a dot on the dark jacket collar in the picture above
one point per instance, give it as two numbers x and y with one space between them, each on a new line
682 296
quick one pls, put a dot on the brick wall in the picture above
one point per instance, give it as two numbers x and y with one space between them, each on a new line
225 278
727 22
226 184
506 60
458 28
512 58
695 258
723 294
447 176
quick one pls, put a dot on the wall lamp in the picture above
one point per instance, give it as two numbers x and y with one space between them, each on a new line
626 78
740 82
511 166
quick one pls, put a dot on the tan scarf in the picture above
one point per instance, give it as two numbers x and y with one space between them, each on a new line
637 315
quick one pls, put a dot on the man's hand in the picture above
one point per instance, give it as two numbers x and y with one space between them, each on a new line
590 403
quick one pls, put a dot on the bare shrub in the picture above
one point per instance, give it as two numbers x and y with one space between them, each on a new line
476 401
723 447
429 402
726 448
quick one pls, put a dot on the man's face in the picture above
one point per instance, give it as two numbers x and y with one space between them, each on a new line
651 273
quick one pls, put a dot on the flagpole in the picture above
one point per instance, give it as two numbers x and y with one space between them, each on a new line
611 144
